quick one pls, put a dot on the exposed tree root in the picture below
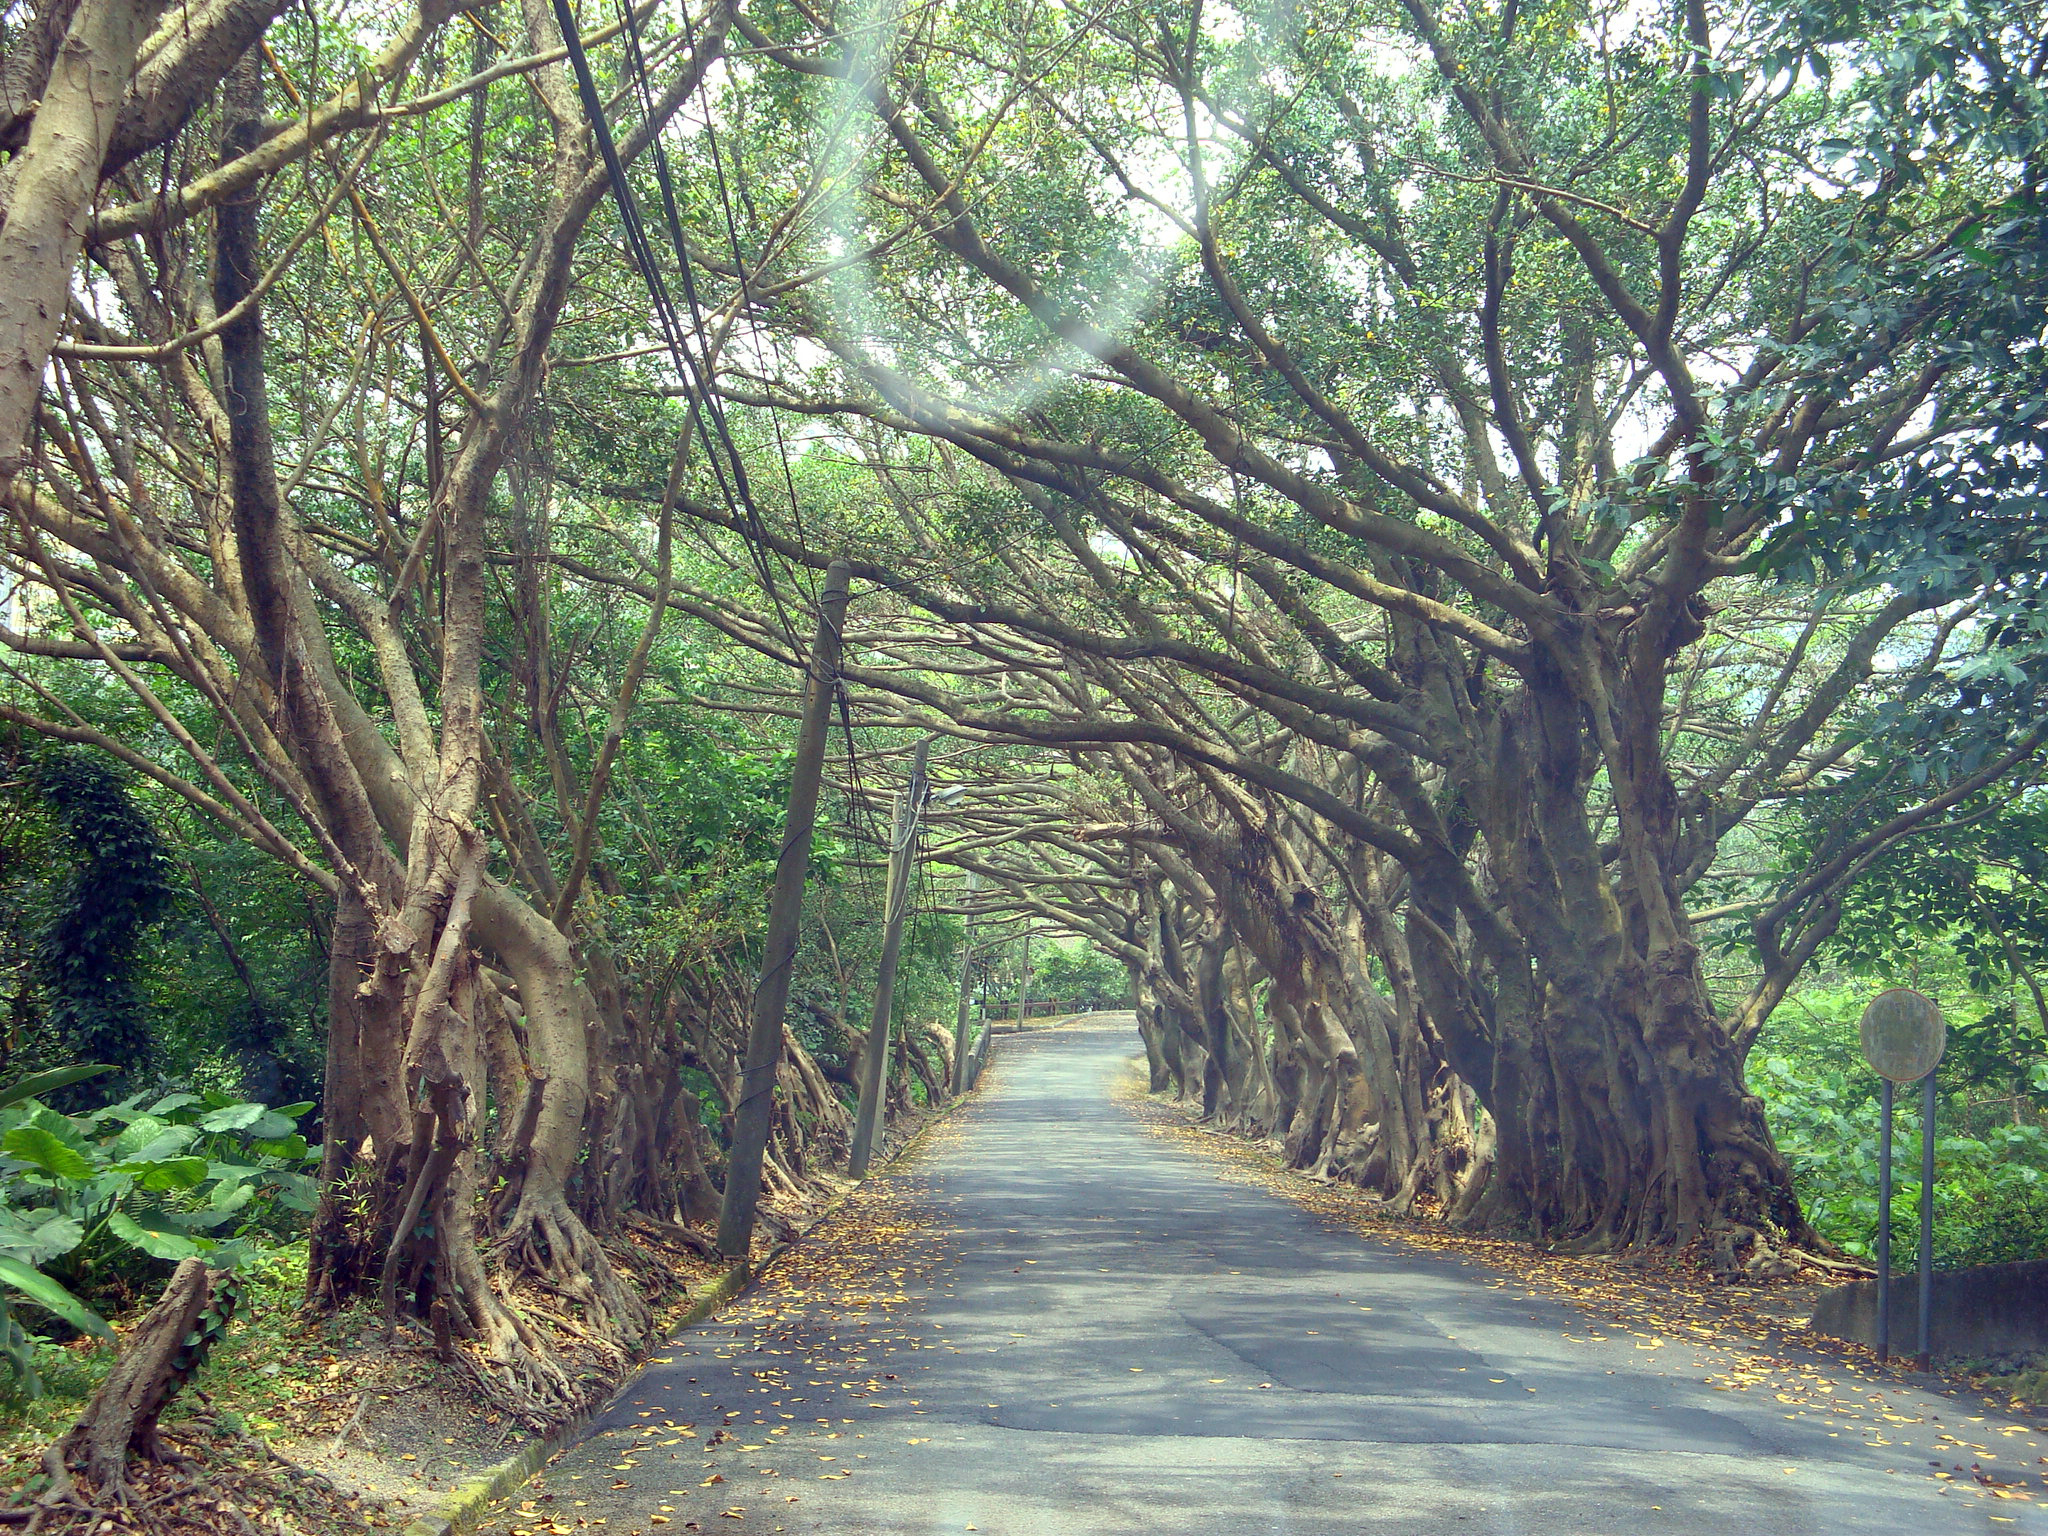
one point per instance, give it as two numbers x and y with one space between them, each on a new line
215 1481
549 1242
120 1469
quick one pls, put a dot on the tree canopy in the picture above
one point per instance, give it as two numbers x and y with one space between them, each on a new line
1466 550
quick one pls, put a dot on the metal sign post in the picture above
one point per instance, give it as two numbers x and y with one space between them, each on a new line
1924 1358
1884 1220
1903 1035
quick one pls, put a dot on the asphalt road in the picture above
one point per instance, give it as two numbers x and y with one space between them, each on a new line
1053 1321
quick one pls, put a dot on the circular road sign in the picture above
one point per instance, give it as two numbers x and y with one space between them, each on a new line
1903 1034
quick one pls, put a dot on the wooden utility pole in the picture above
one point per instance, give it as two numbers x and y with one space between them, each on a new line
874 1061
753 1115
960 1083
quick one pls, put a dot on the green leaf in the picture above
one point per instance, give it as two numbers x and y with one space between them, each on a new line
15 1350
41 1149
36 1237
148 1139
165 1173
270 1126
63 1127
52 1297
233 1253
49 1082
234 1117
158 1245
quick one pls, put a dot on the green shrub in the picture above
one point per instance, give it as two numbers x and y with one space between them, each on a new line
1990 1187
1083 976
97 1204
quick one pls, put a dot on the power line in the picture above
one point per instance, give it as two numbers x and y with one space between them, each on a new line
727 465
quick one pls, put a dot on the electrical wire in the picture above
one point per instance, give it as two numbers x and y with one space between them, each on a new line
700 400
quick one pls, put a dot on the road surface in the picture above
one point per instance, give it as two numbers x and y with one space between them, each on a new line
1054 1321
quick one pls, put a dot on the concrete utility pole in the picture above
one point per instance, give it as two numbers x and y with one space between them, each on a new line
874 1061
753 1116
960 1083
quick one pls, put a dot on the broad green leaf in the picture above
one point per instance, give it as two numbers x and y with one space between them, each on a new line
166 1173
234 1117
148 1138
232 1196
49 1082
63 1127
36 1237
270 1126
158 1245
40 1148
232 1253
52 1297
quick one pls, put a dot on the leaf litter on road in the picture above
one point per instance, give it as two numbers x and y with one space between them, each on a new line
1740 1338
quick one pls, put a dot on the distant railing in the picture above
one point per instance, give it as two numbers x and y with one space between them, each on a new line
1036 1008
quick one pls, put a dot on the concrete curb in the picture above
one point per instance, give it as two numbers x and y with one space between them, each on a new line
469 1498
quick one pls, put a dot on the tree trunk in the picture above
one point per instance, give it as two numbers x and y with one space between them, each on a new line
1621 1114
361 1172
46 198
1158 1069
168 1345
1214 1007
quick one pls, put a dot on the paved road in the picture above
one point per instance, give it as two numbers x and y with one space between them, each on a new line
1077 1327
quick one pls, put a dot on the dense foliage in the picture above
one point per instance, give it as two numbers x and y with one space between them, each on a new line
94 1206
1991 1139
1081 976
